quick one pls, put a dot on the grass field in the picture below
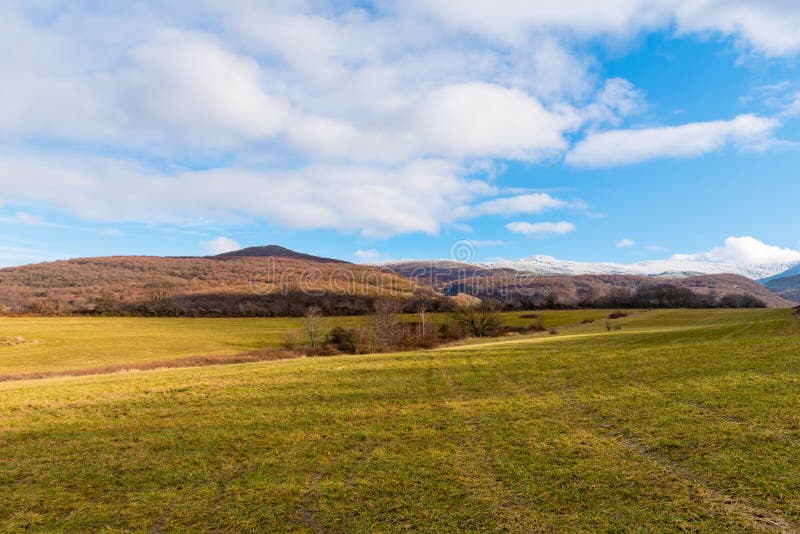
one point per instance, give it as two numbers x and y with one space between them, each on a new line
681 420
58 344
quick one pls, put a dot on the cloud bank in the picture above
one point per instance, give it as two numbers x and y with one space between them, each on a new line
294 112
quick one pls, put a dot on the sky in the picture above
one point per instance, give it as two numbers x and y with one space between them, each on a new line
619 131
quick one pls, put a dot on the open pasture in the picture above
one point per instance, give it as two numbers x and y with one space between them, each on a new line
681 420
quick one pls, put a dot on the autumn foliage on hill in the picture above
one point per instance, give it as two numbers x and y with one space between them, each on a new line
236 286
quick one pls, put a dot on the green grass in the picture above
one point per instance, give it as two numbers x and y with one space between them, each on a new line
682 420
59 344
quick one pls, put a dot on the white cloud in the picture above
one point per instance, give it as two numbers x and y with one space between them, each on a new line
622 147
619 98
486 120
396 105
513 19
541 229
220 245
370 256
189 85
655 248
624 243
518 205
418 197
745 250
771 27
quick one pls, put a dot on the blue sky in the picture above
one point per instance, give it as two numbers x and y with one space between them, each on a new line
619 132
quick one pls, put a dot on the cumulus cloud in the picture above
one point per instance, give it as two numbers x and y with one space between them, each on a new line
190 85
220 245
622 147
485 120
541 229
417 197
770 27
745 250
334 103
625 243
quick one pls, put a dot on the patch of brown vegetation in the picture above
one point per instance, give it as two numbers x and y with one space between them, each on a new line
233 286
192 361
528 290
17 340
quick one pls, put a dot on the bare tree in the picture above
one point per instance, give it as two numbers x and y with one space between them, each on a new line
423 325
382 330
314 327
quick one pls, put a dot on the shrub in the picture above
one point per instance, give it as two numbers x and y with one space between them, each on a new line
451 330
291 340
482 320
617 314
343 339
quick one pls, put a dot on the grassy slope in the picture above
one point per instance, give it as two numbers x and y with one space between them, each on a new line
86 342
691 422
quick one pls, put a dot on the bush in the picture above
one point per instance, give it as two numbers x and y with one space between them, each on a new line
617 314
343 339
291 340
482 320
451 330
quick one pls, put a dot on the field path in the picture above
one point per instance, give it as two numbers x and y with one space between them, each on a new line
757 518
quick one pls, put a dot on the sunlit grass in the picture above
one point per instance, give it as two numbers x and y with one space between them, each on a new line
682 420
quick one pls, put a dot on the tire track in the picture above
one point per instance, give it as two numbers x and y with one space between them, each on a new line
758 518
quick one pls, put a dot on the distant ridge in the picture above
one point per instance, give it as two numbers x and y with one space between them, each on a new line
672 268
274 251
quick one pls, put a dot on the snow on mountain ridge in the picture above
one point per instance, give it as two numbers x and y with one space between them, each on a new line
549 266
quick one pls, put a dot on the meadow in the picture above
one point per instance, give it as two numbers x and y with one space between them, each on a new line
681 420
55 344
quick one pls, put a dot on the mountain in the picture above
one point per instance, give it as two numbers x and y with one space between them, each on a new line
274 281
273 251
549 266
785 284
282 282
794 271
519 288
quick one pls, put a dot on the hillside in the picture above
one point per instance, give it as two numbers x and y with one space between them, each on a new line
785 284
274 281
526 289
245 285
787 287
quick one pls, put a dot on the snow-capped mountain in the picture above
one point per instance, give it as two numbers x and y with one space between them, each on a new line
549 266
794 271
